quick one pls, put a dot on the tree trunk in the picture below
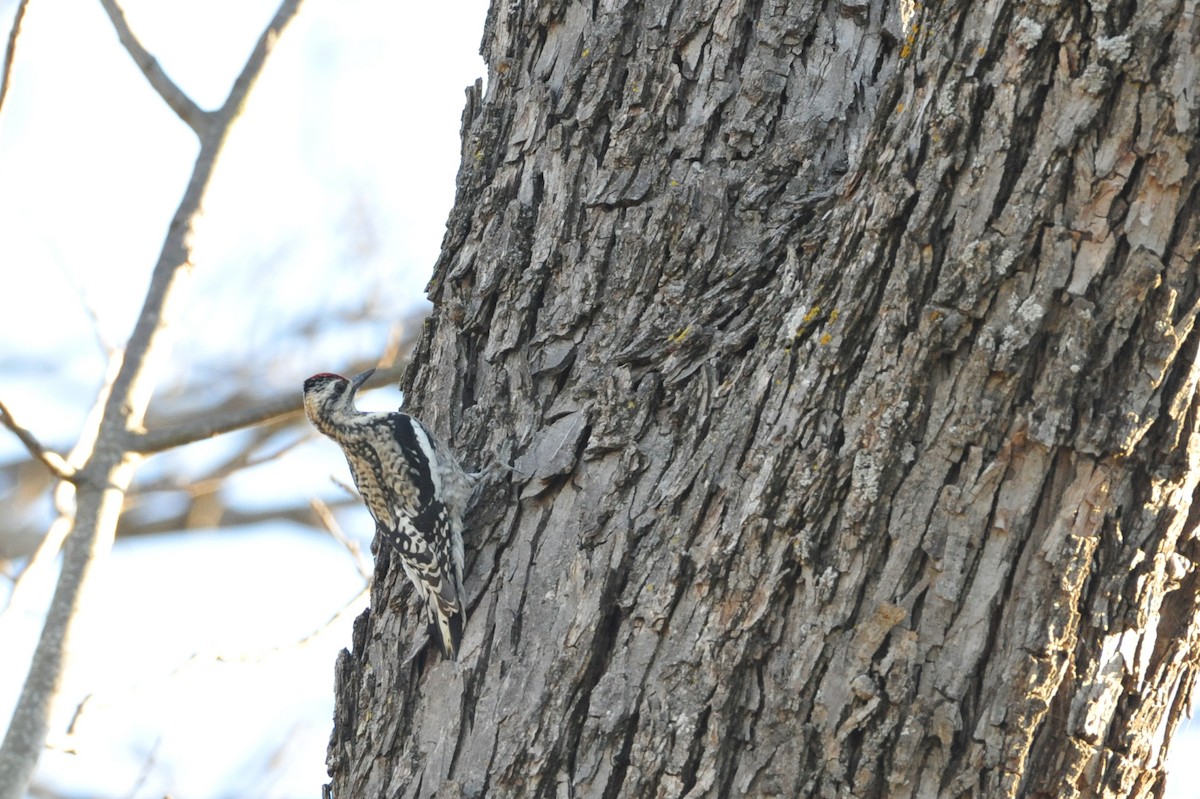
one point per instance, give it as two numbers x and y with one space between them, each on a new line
846 353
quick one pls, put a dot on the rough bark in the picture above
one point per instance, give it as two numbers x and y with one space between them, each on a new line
846 351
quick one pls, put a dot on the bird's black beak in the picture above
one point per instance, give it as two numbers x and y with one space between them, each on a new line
359 379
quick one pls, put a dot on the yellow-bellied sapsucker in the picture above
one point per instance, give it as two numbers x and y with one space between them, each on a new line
414 489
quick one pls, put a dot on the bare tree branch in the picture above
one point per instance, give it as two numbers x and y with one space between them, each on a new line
187 110
37 791
54 462
241 86
228 517
41 562
192 430
108 462
11 50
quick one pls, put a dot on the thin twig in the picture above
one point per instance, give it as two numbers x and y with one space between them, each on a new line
342 484
147 769
11 51
78 714
244 457
54 462
209 656
248 657
187 110
84 303
334 529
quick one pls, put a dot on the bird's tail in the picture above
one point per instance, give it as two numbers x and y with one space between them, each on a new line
445 618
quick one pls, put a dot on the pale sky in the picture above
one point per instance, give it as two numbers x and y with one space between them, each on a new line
334 187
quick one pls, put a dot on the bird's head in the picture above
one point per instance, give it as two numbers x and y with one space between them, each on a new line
329 398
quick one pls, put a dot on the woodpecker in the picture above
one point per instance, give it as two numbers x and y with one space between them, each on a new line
414 488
